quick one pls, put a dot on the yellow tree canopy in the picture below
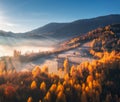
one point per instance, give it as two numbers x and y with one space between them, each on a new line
30 99
48 96
60 88
33 85
66 65
45 69
43 86
61 97
53 88
36 71
89 78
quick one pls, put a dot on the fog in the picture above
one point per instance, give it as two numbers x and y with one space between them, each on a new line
9 44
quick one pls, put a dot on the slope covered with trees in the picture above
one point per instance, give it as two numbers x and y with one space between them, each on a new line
96 81
102 39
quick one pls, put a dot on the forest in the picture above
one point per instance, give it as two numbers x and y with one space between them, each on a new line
96 81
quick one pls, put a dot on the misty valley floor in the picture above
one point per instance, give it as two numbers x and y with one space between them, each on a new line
55 61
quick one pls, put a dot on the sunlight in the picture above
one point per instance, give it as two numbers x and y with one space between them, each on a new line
1 19
4 23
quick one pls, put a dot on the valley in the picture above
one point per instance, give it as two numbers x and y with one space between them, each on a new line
24 54
42 66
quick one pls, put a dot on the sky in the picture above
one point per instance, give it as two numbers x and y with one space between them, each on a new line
25 15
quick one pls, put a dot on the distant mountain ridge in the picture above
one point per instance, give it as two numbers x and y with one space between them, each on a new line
72 29
75 28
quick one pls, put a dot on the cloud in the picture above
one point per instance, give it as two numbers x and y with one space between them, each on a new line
4 22
7 24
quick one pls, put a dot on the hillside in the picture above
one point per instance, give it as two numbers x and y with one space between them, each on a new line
6 34
103 39
75 28
97 81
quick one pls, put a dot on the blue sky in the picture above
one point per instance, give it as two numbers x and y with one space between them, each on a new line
25 15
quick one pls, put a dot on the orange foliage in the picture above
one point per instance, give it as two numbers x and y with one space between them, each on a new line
60 88
90 85
87 89
30 99
43 86
87 86
53 88
97 85
2 67
66 77
77 87
33 85
72 70
45 69
83 86
61 97
90 68
66 66
89 78
36 71
48 96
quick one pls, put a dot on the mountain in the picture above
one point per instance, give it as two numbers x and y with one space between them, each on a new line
67 30
72 29
6 34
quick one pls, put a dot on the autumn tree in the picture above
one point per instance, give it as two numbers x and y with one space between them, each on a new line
36 71
45 69
47 97
61 97
66 77
89 78
77 87
60 88
2 67
53 88
43 86
30 99
66 66
33 85
73 71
